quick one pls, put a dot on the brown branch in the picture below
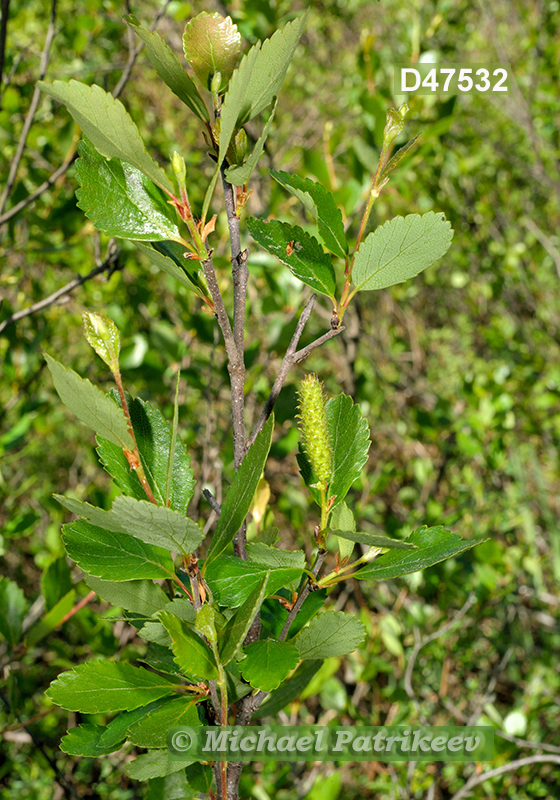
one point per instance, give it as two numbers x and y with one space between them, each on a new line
110 265
300 355
60 171
240 275
291 357
476 780
32 109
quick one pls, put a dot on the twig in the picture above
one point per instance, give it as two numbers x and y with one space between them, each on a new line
491 685
550 748
291 357
285 367
109 265
32 109
216 507
476 780
304 352
5 9
58 173
544 240
240 275
303 595
422 642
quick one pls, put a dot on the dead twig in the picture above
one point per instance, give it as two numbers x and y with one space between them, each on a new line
109 265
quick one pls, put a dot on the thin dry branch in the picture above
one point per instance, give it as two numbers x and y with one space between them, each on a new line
45 56
475 779
291 357
109 265
64 167
422 642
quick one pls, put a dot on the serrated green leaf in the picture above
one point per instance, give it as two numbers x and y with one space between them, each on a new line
151 730
268 663
199 777
235 632
372 539
300 252
120 200
107 125
176 267
140 597
155 764
321 204
56 581
90 405
333 633
12 611
274 616
401 249
157 525
236 687
273 557
96 740
259 553
161 659
171 787
289 691
85 740
114 556
240 175
97 516
154 438
399 155
258 80
232 579
183 608
155 632
240 494
192 654
350 443
51 620
102 686
433 545
169 68
212 44
341 518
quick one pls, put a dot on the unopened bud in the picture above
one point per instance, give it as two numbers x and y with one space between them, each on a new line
216 83
103 335
240 146
395 124
179 168
205 623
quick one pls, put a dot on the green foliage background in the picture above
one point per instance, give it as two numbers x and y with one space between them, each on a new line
458 371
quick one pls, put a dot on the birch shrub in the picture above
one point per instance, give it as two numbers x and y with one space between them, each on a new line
236 629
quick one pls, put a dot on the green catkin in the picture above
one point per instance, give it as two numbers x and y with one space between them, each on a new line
314 430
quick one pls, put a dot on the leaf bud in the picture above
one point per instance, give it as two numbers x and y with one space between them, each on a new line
205 623
103 335
395 124
179 168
